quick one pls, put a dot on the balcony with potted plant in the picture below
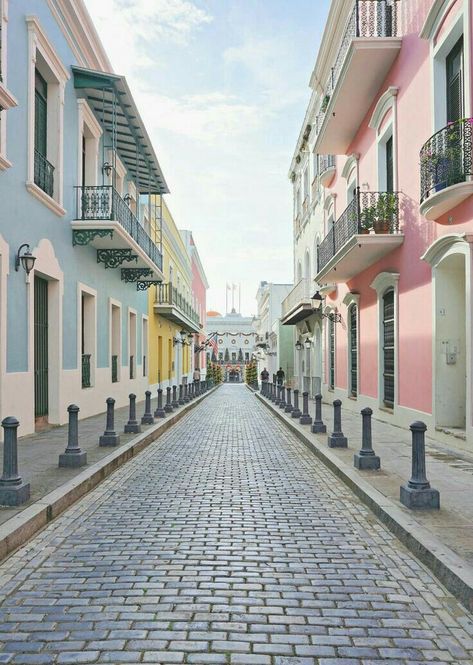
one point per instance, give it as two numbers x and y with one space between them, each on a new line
368 229
370 43
446 170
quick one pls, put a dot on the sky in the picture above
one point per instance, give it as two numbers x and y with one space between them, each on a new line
222 86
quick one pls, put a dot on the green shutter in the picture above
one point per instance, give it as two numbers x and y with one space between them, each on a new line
41 346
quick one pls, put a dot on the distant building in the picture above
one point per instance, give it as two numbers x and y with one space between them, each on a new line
274 343
235 337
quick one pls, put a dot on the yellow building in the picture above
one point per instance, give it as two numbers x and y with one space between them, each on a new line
172 319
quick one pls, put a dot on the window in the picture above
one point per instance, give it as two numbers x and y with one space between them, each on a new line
89 136
47 79
144 346
306 183
116 340
389 165
454 81
331 355
87 337
353 349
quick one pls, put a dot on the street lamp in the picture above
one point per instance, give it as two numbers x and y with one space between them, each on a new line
107 168
336 317
307 343
26 259
298 345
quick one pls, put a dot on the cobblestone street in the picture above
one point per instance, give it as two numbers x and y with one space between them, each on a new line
226 541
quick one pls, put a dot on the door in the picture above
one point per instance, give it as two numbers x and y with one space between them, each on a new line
41 347
388 348
353 350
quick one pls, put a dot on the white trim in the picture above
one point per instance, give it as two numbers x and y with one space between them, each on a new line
7 100
51 203
384 103
47 49
351 298
117 304
89 118
352 162
83 288
434 18
4 162
382 283
438 250
86 119
132 313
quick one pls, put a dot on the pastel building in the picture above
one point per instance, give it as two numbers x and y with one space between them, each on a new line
390 122
77 174
235 337
274 342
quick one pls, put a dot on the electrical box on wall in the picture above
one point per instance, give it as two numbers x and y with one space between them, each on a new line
450 348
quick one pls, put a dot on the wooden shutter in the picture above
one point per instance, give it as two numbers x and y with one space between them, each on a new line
389 165
388 347
353 350
454 65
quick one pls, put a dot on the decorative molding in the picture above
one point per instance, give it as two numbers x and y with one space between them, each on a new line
4 163
434 18
112 258
350 164
351 298
384 280
328 289
84 237
47 49
45 198
443 245
384 104
330 199
7 100
89 119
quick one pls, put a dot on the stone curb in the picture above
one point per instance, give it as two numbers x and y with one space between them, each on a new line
445 564
22 527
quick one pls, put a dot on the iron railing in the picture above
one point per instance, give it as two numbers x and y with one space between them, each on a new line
167 294
369 18
144 366
43 173
103 202
446 158
325 163
368 212
132 367
114 369
86 370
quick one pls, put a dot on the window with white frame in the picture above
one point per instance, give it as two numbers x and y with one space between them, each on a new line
331 353
7 100
116 341
144 342
47 78
88 336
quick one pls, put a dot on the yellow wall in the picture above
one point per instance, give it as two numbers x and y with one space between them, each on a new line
162 330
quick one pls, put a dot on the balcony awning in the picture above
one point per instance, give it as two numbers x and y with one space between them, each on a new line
112 102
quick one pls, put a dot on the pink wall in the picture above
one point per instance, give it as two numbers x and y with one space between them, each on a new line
200 292
411 73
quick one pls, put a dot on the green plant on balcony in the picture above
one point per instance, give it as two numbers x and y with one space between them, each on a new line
386 213
325 103
367 219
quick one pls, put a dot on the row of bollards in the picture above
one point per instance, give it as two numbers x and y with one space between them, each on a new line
416 493
14 492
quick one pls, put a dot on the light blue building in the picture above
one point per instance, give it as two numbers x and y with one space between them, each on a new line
77 169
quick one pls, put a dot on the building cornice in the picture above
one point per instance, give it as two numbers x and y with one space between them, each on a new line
434 17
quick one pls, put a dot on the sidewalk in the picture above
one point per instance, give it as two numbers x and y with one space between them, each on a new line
449 471
38 454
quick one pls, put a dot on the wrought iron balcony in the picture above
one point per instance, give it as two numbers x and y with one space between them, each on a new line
86 370
97 205
446 169
367 229
298 304
43 173
172 305
370 43
326 167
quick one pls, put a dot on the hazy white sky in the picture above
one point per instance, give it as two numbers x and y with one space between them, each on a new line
222 86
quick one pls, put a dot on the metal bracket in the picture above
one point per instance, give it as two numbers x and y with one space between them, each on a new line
134 274
115 257
85 236
143 285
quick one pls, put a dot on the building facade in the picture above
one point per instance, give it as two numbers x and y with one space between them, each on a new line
174 321
235 337
77 171
274 343
390 119
199 302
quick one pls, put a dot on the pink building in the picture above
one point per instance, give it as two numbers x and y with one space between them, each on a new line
199 295
387 146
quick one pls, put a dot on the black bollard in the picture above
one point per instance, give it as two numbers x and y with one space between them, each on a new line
278 395
296 412
282 401
181 394
366 458
289 406
132 426
73 456
305 418
270 391
168 406
195 391
417 492
147 418
318 427
337 439
13 491
160 412
110 437
175 401
187 399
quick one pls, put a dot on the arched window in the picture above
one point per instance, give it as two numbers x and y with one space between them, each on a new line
353 349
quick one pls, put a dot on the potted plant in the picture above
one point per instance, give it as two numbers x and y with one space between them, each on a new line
386 213
325 102
367 219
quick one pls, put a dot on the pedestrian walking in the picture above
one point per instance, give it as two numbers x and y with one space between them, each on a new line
280 376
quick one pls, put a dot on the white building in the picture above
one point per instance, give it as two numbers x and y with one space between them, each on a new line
274 344
235 336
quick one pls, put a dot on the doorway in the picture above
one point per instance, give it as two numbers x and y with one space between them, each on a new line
41 355
450 343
